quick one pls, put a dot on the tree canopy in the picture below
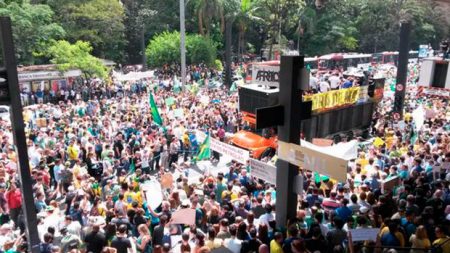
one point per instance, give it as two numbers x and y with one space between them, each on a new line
33 28
100 22
121 30
76 56
165 49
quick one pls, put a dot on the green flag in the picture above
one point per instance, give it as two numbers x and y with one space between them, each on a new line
320 178
132 168
205 150
155 113
317 178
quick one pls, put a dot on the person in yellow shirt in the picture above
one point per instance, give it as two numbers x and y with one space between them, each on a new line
442 241
276 243
72 152
131 196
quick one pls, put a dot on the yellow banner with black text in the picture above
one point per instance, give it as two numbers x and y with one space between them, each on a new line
332 99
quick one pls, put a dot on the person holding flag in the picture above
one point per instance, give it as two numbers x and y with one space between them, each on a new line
204 150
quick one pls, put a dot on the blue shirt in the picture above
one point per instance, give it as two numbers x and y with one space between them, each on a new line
347 84
344 212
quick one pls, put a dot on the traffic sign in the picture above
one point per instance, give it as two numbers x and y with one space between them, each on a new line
397 116
400 87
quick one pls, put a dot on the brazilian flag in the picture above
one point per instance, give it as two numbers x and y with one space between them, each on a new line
154 110
205 149
319 178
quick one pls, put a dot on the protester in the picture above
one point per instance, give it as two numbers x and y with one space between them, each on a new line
100 162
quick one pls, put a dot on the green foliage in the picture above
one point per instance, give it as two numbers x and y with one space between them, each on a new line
165 49
368 25
200 50
33 28
76 56
100 22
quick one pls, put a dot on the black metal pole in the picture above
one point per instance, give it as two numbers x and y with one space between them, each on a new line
18 128
402 70
290 99
228 41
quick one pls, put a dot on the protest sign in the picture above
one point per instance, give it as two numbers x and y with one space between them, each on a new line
153 193
178 113
170 101
364 234
238 154
263 171
322 142
184 216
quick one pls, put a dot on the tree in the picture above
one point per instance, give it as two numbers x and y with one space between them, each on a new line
208 11
281 16
33 28
100 22
165 49
76 56
247 14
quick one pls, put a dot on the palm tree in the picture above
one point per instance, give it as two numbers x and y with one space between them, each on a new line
208 11
246 15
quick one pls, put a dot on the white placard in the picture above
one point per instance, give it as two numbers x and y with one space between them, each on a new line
364 234
153 193
238 154
263 171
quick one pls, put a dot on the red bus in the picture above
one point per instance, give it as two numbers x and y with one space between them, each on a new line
342 61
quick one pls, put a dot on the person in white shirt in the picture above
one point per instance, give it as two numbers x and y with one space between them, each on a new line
334 81
313 81
324 86
73 227
233 244
267 217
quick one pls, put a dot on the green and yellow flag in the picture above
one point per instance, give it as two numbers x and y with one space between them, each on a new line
155 113
205 150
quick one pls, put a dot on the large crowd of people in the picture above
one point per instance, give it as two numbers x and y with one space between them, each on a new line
91 159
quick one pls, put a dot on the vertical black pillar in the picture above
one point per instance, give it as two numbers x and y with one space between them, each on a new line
228 41
290 99
402 70
10 94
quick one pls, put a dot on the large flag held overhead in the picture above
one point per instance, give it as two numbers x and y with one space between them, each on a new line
155 113
205 150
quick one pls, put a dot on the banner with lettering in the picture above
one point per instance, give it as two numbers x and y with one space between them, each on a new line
238 154
266 75
313 160
332 99
263 171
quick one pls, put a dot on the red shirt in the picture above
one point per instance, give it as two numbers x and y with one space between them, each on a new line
14 199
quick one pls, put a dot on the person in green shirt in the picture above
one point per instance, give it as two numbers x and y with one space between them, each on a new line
221 187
